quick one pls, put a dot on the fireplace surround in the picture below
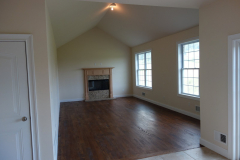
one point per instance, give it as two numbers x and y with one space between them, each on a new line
98 84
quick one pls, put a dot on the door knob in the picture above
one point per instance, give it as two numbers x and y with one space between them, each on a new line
24 118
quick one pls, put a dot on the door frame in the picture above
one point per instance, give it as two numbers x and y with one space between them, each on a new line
233 96
28 39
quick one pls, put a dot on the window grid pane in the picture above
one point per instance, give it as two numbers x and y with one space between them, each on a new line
190 68
149 78
141 61
144 69
141 77
148 60
190 81
191 55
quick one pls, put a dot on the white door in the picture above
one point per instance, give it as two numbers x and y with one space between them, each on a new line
15 133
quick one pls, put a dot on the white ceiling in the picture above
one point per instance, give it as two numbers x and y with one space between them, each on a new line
71 18
131 24
135 24
196 4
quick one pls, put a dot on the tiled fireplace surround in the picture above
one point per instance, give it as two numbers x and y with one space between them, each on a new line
101 94
98 74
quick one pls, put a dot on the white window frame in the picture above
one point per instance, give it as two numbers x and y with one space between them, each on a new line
136 69
180 66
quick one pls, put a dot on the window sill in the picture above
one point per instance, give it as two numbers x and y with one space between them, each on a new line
189 97
141 87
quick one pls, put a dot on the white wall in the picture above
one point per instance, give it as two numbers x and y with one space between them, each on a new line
165 75
53 80
217 22
28 17
94 46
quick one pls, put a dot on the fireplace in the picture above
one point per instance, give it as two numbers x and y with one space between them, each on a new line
98 83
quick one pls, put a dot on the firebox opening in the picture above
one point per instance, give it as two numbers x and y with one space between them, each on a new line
95 85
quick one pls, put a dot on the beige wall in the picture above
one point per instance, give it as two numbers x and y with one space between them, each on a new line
28 17
53 80
94 46
217 22
165 76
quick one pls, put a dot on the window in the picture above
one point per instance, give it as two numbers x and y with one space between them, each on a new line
188 70
144 69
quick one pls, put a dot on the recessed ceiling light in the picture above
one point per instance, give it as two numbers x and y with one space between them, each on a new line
112 6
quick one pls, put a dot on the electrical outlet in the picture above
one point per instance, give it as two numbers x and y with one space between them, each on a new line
220 137
223 138
143 93
197 108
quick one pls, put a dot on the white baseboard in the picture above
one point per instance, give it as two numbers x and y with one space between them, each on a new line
56 145
72 100
124 95
81 99
170 107
214 147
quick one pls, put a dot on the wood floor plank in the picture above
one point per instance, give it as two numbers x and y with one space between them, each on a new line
123 129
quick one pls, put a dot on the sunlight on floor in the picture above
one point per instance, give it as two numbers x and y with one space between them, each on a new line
193 154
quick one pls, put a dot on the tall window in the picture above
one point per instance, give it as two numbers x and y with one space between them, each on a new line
188 70
144 69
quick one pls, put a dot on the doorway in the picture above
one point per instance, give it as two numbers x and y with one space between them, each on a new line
234 96
18 122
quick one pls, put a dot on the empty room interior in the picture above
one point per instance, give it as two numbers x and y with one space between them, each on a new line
119 80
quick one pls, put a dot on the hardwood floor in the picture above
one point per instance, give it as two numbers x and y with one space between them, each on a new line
123 129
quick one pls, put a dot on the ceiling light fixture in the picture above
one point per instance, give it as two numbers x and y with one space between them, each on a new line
112 6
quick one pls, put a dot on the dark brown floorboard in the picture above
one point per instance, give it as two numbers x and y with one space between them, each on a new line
123 129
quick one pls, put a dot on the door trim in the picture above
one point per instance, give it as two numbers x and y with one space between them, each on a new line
233 96
28 39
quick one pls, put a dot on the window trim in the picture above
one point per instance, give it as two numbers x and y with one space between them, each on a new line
136 68
179 68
